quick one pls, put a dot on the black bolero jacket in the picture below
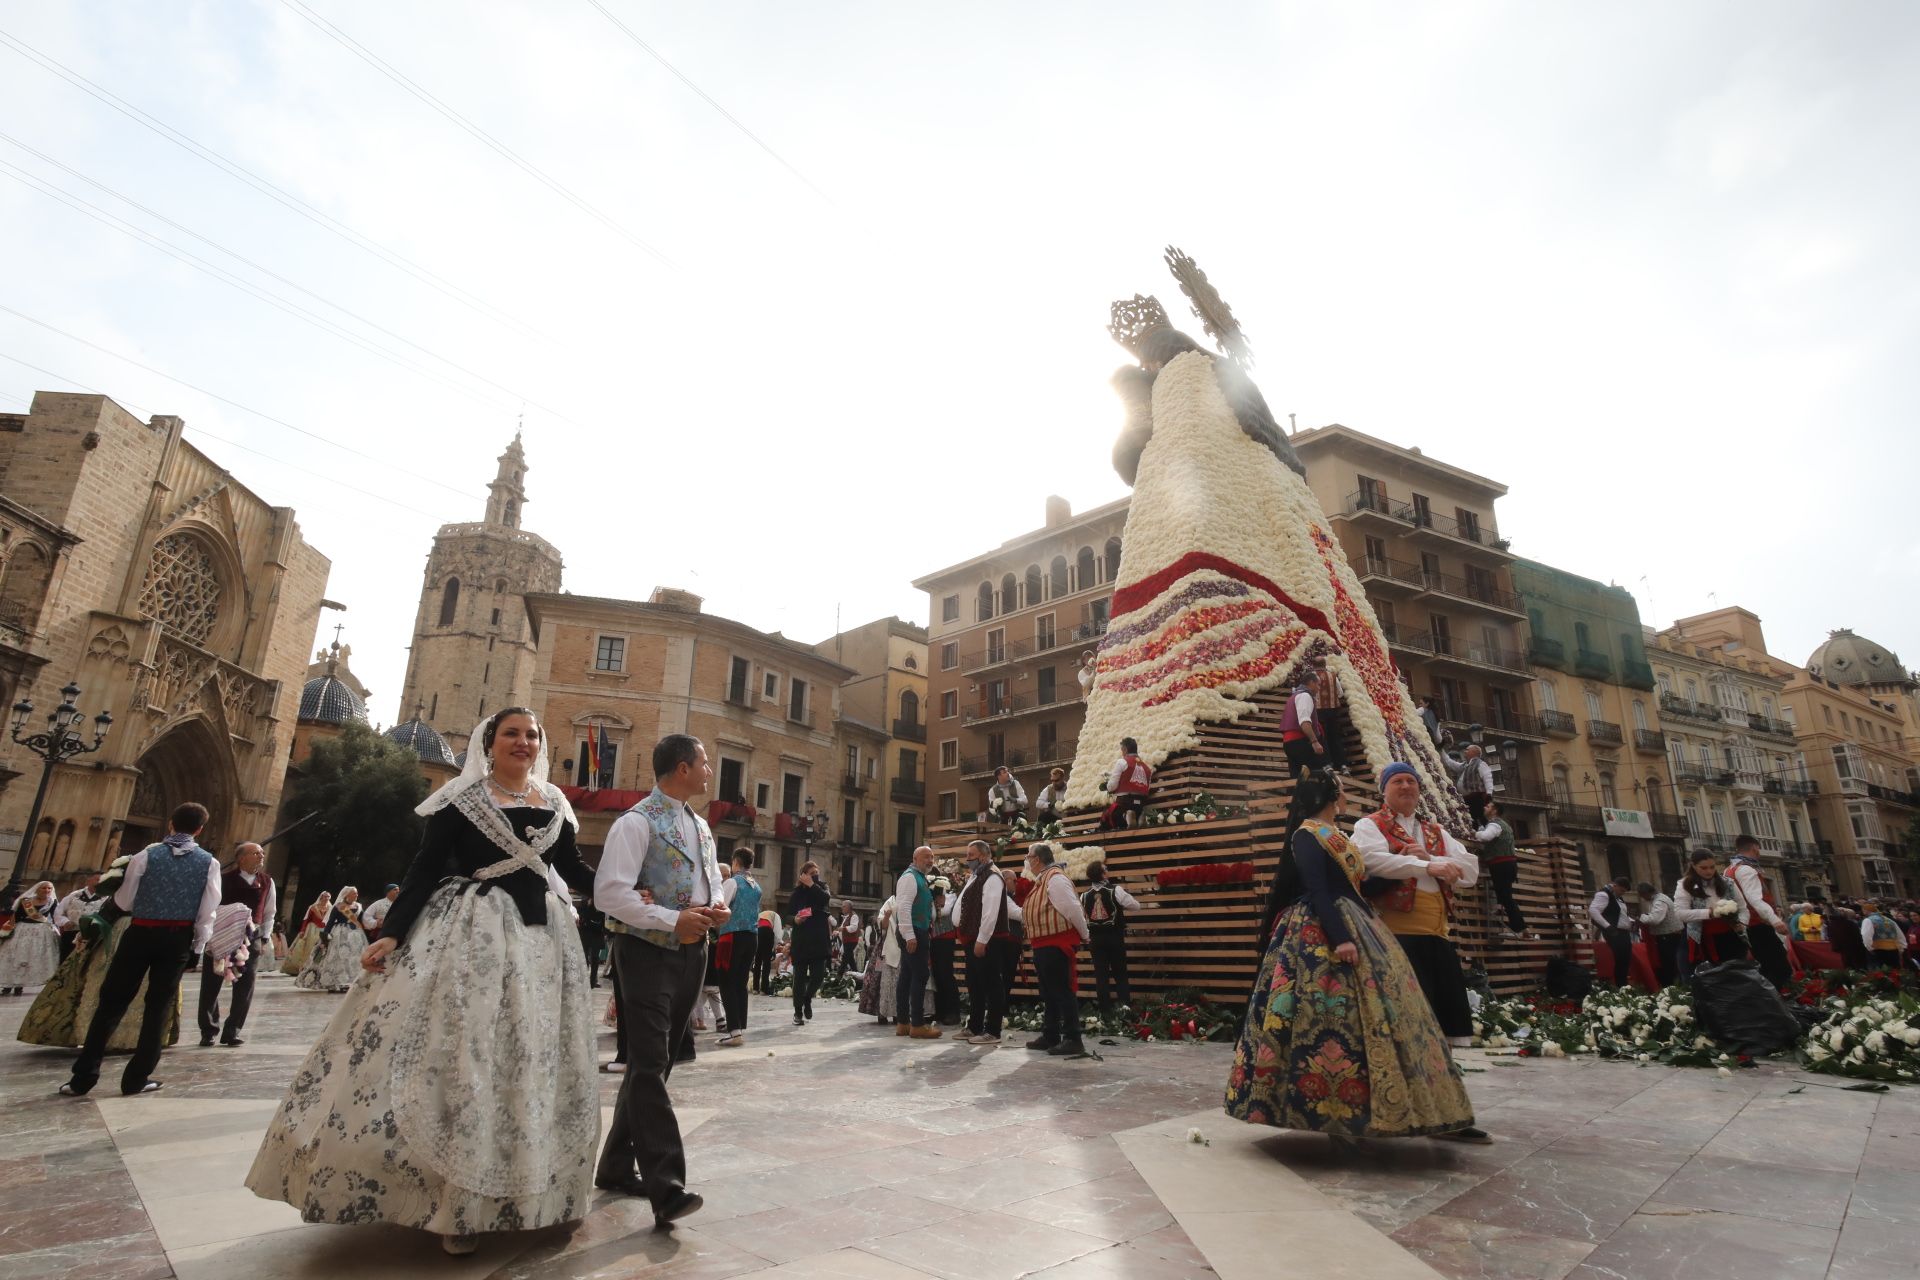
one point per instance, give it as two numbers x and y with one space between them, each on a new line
453 846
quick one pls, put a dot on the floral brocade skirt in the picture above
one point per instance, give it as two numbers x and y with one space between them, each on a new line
30 957
300 952
1349 1049
334 962
64 1009
455 1092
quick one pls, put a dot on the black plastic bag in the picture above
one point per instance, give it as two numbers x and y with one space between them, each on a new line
1567 980
1740 1009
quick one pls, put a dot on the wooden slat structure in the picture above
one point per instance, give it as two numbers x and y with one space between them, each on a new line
1206 937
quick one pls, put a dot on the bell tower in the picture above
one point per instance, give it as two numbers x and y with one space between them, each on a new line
473 648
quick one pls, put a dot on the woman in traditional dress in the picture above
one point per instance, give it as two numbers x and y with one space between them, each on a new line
1715 911
312 925
334 964
64 1009
1339 1038
31 953
454 1090
878 995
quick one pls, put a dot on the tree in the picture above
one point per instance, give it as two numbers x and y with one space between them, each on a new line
360 790
1910 844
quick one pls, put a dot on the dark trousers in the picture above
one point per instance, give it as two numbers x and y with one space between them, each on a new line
619 1014
763 960
157 956
1672 950
1109 950
1477 806
1771 954
946 985
210 983
1504 874
1053 970
916 967
1301 756
590 946
1123 812
658 988
806 980
1333 734
733 980
987 988
1620 943
1437 965
1010 964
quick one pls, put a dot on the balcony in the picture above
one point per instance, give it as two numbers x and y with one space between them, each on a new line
909 731
982 767
1651 741
1802 852
1055 752
1484 657
1596 666
1368 508
1670 825
1021 704
1907 799
1579 817
1798 787
1693 772
1462 716
1636 673
1672 704
1559 724
1769 725
851 888
853 784
908 791
1392 575
1511 791
1604 733
1467 591
1543 652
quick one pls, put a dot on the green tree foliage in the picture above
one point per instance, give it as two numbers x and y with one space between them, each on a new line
361 790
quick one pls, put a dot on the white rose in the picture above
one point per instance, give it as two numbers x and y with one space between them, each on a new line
1701 1042
1837 1040
1646 1057
1858 1057
1911 1035
1877 1042
1817 1054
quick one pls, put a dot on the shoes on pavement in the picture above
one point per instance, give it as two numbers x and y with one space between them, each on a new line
151 1086
983 1039
1469 1134
232 1043
1067 1049
1045 1044
628 1185
677 1206
902 1029
732 1040
926 1033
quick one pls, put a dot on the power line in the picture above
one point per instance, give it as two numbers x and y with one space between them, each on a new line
241 173
708 98
373 60
214 395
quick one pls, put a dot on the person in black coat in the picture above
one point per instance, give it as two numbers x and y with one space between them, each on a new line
810 939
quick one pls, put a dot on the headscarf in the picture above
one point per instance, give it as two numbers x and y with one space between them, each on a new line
475 771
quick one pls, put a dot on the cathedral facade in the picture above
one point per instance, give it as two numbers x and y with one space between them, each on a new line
181 603
473 646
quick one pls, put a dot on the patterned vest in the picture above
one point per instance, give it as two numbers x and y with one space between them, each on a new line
171 885
746 905
669 870
1399 907
1500 848
1043 919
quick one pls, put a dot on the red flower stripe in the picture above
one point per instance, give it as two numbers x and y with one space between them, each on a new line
1202 652
1192 624
1142 593
1253 669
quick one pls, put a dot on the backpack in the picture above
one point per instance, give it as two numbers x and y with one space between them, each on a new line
1885 930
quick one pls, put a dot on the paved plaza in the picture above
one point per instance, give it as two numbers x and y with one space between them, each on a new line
841 1150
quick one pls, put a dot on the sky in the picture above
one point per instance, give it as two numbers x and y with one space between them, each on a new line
817 305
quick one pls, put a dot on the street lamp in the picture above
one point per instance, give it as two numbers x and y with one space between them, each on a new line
57 743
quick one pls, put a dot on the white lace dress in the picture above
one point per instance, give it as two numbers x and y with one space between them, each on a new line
456 1091
30 956
334 963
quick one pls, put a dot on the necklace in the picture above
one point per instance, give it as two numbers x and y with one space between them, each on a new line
505 790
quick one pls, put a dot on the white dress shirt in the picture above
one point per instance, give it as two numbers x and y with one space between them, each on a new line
1597 912
1061 895
1747 880
67 912
209 897
905 890
1695 912
271 907
991 894
1051 798
616 883
1126 900
375 913
1380 861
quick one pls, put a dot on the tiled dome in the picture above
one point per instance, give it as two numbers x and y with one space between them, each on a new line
421 738
328 700
1849 659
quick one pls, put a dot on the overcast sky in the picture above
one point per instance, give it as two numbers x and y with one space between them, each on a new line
1651 266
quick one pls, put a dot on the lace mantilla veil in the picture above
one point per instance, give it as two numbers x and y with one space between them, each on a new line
474 772
469 792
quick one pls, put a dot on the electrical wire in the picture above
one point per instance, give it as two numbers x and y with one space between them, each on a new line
241 173
708 98
500 148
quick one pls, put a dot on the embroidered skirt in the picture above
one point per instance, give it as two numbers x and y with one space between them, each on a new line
1339 1048
30 957
64 1009
301 951
455 1092
334 963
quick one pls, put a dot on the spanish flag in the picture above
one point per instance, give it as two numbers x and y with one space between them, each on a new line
591 759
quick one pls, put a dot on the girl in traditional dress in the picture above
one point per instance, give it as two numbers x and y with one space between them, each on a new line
454 1091
878 993
64 1009
1339 1038
31 953
312 925
334 964
1715 912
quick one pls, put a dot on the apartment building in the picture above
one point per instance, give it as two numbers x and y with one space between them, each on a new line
884 702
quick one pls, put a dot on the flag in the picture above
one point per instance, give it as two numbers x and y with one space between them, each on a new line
590 756
600 758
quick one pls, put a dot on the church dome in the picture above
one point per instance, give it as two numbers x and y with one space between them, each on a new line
421 738
1848 659
328 700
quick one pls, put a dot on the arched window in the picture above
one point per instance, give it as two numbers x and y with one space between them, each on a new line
1656 802
1669 869
182 591
1057 578
909 707
1036 585
984 609
1639 715
1608 796
1009 594
25 585
1083 565
1113 559
449 601
1562 785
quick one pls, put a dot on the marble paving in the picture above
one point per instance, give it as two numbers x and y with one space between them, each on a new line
841 1150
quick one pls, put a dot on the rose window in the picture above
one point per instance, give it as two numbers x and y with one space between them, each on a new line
183 588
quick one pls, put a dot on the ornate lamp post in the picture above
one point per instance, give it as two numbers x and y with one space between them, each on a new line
813 826
58 742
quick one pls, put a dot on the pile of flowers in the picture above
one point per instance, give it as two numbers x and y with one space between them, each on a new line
1202 808
1206 873
1179 1016
1025 832
1875 1037
833 986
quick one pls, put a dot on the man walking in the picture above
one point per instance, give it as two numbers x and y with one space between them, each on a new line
1056 928
982 913
249 885
739 935
1502 860
913 917
1105 905
171 890
663 847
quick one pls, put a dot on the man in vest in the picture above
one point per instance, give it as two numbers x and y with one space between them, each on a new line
250 886
1056 927
659 948
982 914
171 890
1300 730
1614 923
1006 798
1474 778
1105 905
913 917
1052 805
1128 782
1882 937
849 935
1502 860
739 936
73 908
376 913
1660 920
1766 927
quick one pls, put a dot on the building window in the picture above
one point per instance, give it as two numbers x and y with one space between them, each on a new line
762 796
1582 639
1043 632
791 786
1562 785
950 608
1035 585
1639 715
1609 797
909 706
909 765
983 603
737 681
586 775
996 645
1665 680
1373 494
1009 594
797 699
911 663
949 704
610 654
1594 710
733 775
495 620
950 753
1549 695
770 686
949 655
1422 511
449 601
789 865
1084 570
949 806
1057 583
1692 810
1113 559
1469 523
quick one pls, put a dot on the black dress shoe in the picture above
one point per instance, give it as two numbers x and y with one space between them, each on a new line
233 1043
628 1185
206 1042
1471 1135
1068 1049
151 1086
674 1207
1045 1044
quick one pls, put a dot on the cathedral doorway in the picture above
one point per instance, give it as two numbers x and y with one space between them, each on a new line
189 762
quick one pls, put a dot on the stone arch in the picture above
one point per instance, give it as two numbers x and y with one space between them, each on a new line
187 760
1084 564
449 601
1057 582
1112 559
195 587
983 607
909 706
24 585
1035 584
1009 593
